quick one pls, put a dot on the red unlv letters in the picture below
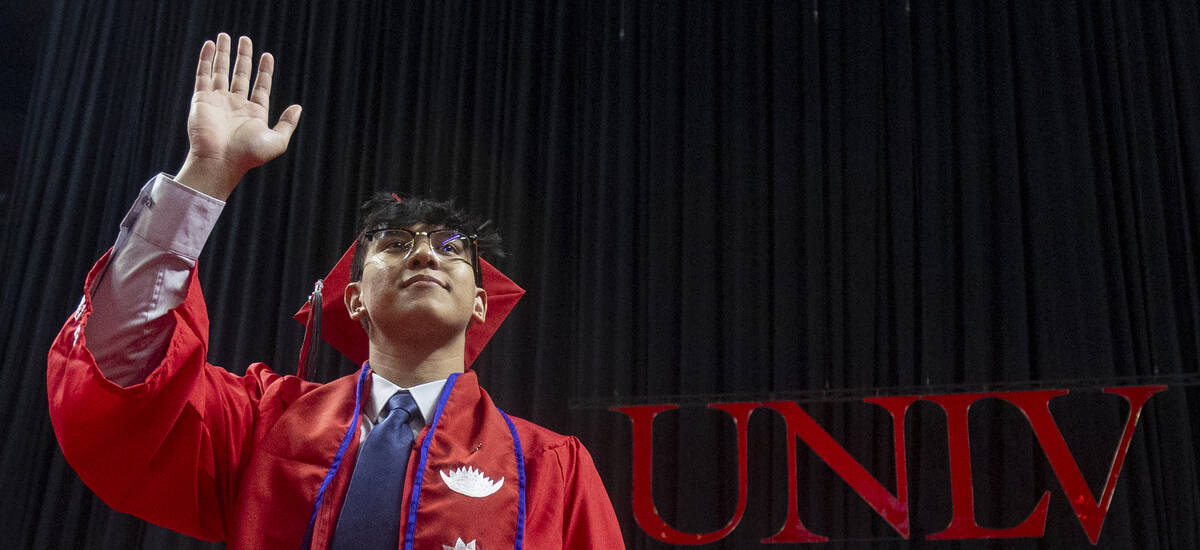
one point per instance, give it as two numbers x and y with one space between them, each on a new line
893 508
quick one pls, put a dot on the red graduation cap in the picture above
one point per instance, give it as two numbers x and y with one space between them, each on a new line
347 335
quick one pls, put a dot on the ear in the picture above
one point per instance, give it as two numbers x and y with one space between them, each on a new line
354 302
479 314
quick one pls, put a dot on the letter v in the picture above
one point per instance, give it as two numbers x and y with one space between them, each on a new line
1036 406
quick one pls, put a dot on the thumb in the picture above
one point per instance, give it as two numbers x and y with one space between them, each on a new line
288 121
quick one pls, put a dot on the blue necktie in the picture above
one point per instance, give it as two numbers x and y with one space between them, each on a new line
370 517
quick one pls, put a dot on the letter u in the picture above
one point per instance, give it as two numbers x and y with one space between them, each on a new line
644 510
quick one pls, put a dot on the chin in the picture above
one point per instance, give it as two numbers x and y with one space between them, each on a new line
420 323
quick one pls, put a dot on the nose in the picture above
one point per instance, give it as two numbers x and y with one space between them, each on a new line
421 255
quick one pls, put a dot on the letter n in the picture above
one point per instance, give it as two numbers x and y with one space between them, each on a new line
892 508
644 510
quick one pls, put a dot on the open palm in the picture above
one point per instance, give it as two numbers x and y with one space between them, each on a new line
227 123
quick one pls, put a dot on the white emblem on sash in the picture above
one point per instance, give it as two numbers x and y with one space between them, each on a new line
466 480
460 546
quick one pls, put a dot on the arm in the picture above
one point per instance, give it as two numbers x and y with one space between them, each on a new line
146 277
164 231
166 442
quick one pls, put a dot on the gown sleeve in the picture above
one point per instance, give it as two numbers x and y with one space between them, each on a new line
566 502
588 517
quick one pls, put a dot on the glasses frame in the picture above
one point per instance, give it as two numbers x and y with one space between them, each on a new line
473 239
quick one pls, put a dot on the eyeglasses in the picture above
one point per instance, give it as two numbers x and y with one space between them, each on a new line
446 243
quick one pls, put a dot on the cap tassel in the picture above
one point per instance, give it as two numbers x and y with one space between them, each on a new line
311 328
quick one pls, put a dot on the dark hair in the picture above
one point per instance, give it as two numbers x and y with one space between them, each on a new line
383 210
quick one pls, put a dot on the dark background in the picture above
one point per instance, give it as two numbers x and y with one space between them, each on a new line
706 201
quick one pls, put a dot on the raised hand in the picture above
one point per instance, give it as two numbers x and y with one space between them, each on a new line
227 123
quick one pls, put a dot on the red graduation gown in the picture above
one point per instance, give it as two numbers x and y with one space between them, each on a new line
242 459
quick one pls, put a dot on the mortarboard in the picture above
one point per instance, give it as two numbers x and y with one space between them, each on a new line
347 336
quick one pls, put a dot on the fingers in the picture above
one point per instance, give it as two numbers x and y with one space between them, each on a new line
204 67
242 67
220 72
262 83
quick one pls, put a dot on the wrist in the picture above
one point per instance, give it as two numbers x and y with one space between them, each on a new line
212 177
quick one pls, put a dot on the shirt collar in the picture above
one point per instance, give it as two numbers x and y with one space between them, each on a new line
426 396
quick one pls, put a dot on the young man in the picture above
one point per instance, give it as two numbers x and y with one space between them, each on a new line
407 453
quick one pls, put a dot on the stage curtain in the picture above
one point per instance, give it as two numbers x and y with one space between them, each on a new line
706 201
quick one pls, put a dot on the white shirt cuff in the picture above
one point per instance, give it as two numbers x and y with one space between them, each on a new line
172 217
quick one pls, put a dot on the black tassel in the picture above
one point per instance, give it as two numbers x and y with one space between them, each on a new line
312 331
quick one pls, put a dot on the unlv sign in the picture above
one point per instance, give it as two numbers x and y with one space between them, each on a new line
893 507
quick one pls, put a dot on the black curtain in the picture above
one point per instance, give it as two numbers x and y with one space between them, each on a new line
706 202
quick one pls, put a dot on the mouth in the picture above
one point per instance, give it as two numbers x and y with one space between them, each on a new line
422 280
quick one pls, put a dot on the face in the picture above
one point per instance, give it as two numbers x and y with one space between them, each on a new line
415 291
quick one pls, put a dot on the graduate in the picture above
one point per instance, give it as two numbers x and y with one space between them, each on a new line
407 452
